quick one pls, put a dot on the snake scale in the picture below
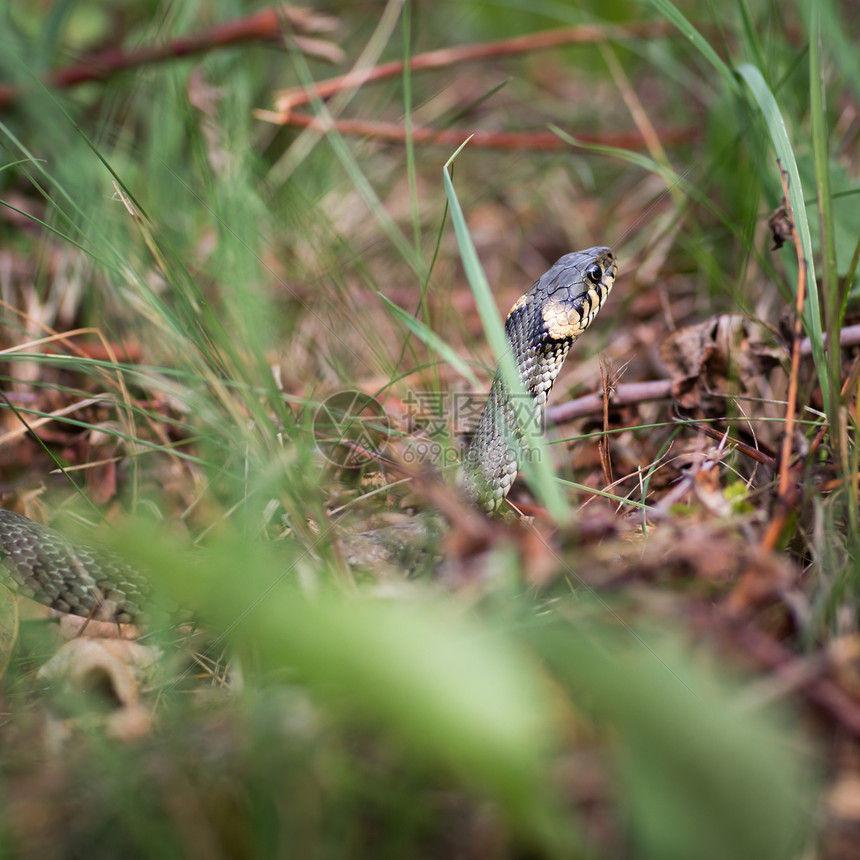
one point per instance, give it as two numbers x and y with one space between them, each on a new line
94 582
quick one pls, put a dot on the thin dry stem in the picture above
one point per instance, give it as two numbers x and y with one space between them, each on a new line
791 407
266 25
543 141
289 99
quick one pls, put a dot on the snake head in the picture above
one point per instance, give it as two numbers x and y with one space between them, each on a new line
565 300
572 292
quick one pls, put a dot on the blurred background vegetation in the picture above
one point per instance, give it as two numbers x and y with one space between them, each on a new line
190 266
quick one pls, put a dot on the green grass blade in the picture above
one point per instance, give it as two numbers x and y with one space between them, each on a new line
360 182
40 169
648 164
839 37
429 337
460 694
751 37
705 778
829 274
59 233
766 103
406 24
673 14
821 158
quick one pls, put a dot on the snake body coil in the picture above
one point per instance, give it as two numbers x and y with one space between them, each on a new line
72 577
96 583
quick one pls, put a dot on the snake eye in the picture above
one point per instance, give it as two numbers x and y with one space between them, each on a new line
594 273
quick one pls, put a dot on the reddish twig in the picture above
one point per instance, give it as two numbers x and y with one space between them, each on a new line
791 406
741 447
787 491
266 25
294 97
451 137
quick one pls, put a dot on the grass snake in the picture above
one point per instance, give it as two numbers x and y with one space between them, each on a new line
91 581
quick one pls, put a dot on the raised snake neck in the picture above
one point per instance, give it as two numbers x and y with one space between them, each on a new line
541 327
94 582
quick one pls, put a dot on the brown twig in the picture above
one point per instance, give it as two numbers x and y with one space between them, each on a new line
603 442
289 99
628 394
452 137
836 483
741 447
266 25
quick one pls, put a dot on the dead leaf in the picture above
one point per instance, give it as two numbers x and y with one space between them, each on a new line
723 355
780 226
117 668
